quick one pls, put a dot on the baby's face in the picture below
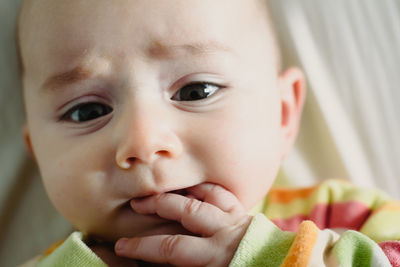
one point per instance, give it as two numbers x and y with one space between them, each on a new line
133 98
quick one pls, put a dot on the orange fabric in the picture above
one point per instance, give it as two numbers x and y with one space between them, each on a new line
52 248
285 196
390 206
301 249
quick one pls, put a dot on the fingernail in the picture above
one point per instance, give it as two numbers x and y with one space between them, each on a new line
133 203
121 244
125 165
136 204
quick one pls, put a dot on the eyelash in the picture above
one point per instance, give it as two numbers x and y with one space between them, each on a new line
68 115
213 88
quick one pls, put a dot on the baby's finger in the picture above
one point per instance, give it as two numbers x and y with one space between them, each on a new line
196 216
178 250
217 196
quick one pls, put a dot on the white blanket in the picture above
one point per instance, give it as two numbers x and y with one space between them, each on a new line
350 51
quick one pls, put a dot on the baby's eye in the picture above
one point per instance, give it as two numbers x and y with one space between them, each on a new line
195 91
86 112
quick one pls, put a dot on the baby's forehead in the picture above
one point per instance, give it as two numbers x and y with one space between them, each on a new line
86 14
59 26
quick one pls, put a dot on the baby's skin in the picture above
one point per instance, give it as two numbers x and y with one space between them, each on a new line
157 125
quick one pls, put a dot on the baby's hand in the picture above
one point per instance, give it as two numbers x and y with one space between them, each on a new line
218 218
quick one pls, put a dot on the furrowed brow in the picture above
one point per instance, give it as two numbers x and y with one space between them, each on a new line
63 79
156 50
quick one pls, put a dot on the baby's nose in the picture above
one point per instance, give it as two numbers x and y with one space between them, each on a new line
146 136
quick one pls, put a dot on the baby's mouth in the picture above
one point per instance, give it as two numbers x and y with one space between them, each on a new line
155 224
183 192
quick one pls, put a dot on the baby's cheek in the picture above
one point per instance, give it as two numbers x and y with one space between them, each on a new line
66 191
250 162
61 193
249 195
251 179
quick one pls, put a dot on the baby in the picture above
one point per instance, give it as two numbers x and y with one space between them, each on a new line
158 125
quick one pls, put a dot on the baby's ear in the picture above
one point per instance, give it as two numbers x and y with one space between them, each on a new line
292 87
27 140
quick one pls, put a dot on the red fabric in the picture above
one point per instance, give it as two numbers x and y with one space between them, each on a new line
350 215
392 251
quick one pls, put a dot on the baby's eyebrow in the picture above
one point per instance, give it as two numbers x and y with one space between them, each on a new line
159 50
60 80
